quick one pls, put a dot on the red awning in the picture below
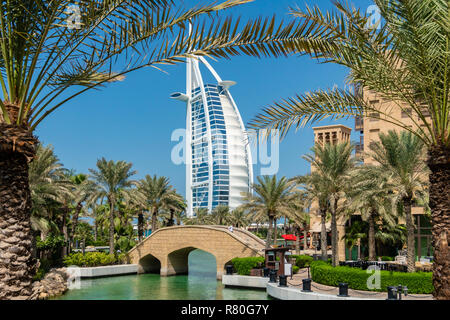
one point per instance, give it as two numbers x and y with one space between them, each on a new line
290 237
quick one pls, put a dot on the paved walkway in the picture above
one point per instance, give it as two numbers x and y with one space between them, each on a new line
296 282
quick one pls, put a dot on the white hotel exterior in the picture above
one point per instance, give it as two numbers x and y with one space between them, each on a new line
218 156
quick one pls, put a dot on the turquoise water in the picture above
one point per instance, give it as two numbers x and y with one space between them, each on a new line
200 284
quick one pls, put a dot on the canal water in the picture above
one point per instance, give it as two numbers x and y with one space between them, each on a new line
199 284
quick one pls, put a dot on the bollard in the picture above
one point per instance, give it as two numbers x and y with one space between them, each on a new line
273 276
266 272
392 293
283 281
343 289
229 269
306 285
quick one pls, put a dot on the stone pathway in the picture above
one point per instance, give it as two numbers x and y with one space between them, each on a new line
296 282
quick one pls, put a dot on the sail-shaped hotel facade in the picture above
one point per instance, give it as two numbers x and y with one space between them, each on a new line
218 157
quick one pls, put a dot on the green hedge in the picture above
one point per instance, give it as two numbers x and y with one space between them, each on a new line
417 282
90 259
295 269
244 265
303 260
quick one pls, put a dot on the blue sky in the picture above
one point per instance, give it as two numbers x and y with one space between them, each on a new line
133 120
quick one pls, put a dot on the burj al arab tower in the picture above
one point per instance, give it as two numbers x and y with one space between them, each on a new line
218 158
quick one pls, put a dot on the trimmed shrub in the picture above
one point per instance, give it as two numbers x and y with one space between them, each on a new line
295 269
90 259
244 265
302 261
386 258
417 282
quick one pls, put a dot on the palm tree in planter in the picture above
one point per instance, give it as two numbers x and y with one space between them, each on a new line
53 51
270 198
405 61
112 182
401 155
334 163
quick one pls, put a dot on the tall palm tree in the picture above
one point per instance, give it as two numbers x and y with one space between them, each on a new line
334 163
49 56
269 198
239 218
48 184
371 194
300 218
112 181
159 195
318 189
221 215
402 156
405 60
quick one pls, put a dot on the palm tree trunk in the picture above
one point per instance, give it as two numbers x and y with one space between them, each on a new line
17 266
439 164
334 242
305 238
297 240
95 230
111 226
65 211
269 232
140 226
323 235
410 255
154 220
371 238
74 223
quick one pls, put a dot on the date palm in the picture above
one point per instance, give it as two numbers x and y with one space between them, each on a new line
371 193
112 182
401 155
221 215
239 218
317 189
269 198
52 51
405 61
334 163
159 195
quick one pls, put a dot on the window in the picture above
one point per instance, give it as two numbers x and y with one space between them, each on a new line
406 113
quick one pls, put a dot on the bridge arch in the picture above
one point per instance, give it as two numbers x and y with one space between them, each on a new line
171 247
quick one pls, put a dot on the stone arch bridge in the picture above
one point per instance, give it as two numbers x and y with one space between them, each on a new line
166 250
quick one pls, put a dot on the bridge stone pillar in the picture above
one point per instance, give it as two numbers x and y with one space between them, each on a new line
175 263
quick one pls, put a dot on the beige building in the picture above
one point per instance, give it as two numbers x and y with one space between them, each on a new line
370 128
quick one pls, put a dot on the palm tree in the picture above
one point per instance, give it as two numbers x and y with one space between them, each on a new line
159 195
371 194
406 61
402 156
81 190
334 163
48 59
353 236
48 184
317 189
270 199
239 218
112 180
221 215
